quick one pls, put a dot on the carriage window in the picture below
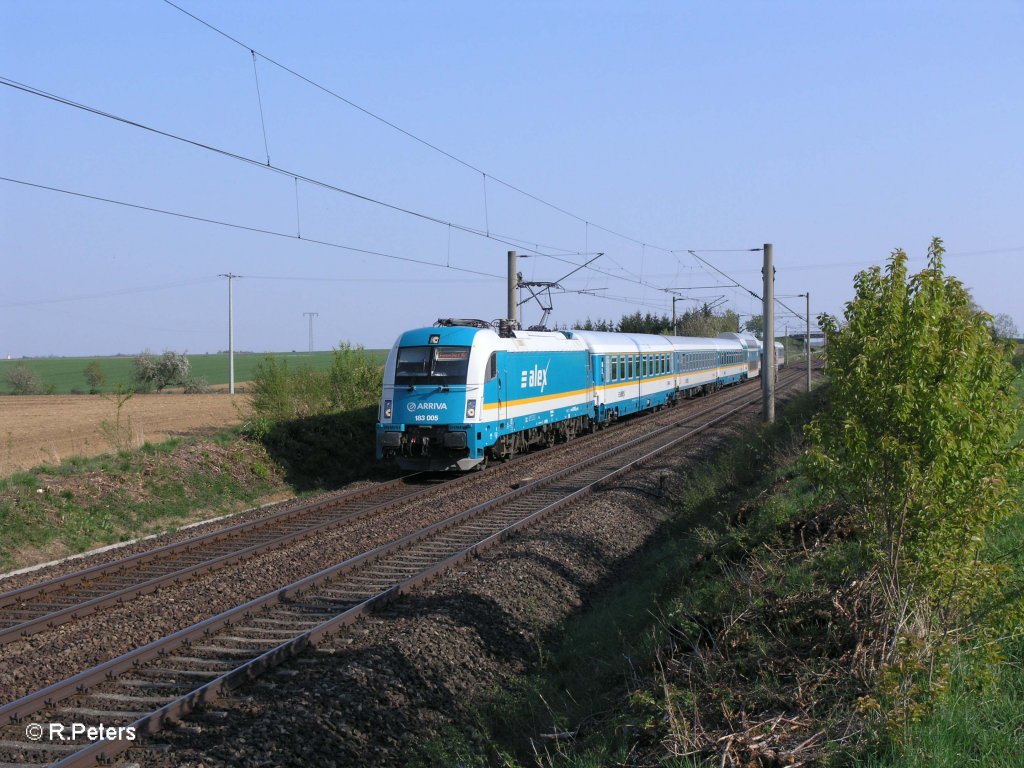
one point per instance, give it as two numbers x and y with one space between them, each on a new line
610 367
630 366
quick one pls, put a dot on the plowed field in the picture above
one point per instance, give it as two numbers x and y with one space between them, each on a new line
47 428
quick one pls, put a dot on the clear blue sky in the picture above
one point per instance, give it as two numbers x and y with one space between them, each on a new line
835 131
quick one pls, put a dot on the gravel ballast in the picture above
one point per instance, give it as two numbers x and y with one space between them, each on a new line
377 694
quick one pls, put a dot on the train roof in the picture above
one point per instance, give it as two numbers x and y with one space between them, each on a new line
488 339
602 342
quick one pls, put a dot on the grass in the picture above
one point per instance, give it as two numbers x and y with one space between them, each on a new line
82 503
66 375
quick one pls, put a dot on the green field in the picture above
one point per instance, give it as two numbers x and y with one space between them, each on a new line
66 375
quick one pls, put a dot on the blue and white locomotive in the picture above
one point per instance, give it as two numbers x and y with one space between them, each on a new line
459 392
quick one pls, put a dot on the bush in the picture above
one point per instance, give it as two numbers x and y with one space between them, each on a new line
356 379
271 396
24 381
170 368
95 377
353 381
196 386
917 442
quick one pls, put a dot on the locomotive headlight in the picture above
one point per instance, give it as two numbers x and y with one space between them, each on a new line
387 409
471 409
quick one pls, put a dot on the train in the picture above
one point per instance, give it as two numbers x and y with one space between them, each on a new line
462 392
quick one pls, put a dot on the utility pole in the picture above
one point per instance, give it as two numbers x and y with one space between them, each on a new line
513 287
674 332
807 311
311 315
231 331
768 372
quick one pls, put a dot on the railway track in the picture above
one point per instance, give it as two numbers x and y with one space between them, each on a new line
38 607
158 683
50 603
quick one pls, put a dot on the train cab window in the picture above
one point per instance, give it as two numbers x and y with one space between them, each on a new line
431 365
492 366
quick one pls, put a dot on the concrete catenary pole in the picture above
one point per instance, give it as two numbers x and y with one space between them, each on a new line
231 331
768 373
311 315
513 290
808 340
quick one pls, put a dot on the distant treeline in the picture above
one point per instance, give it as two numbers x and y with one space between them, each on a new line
702 321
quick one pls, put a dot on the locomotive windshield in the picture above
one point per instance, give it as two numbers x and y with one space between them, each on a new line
432 365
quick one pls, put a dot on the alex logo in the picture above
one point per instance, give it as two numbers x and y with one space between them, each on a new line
537 377
413 407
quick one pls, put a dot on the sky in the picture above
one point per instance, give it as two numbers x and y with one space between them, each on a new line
374 162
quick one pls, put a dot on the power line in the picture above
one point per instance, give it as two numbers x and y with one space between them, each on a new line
105 294
267 166
247 228
409 134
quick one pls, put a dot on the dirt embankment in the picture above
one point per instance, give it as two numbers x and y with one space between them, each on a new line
48 428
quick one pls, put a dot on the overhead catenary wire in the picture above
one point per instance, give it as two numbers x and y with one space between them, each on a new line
407 133
247 228
32 90
757 296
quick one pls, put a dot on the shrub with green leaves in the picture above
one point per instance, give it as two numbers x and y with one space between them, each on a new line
354 381
917 441
356 378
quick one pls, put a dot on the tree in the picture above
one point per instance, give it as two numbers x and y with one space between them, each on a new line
755 325
641 323
917 441
95 377
1003 327
24 381
594 325
170 368
702 321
